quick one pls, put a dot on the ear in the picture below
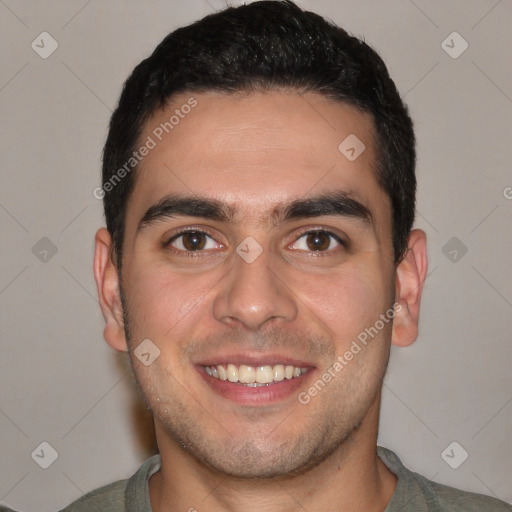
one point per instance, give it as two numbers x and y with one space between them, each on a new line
410 276
107 282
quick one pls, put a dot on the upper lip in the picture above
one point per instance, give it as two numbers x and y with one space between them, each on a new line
254 359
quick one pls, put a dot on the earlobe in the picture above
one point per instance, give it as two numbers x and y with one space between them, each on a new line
410 276
107 283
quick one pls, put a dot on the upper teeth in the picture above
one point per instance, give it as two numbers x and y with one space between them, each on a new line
254 374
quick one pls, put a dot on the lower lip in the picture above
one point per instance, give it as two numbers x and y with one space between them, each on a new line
260 395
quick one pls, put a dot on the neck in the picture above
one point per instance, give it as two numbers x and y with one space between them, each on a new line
351 479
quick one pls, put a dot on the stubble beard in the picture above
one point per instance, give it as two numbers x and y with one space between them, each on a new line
266 458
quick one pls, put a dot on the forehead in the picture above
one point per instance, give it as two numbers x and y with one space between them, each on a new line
256 151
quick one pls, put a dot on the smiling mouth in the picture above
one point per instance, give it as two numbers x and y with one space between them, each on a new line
255 376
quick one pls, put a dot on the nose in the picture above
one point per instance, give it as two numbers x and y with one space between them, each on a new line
253 295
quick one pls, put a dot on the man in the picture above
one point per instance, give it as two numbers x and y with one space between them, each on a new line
258 262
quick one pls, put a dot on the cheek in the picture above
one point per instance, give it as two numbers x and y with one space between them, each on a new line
348 299
159 299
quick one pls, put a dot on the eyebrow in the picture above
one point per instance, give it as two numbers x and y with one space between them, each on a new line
337 203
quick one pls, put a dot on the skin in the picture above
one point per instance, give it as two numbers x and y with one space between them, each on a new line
256 153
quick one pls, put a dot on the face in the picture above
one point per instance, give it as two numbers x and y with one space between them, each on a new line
253 244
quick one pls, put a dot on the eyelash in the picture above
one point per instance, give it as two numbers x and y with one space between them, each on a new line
325 231
188 254
195 254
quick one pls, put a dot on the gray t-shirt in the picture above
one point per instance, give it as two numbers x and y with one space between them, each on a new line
413 493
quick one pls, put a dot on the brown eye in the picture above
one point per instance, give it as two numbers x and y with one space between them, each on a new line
194 241
190 241
317 241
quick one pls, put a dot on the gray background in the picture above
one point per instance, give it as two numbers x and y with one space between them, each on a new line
60 383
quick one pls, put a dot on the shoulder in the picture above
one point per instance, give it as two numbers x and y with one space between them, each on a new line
110 497
123 496
455 500
415 492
